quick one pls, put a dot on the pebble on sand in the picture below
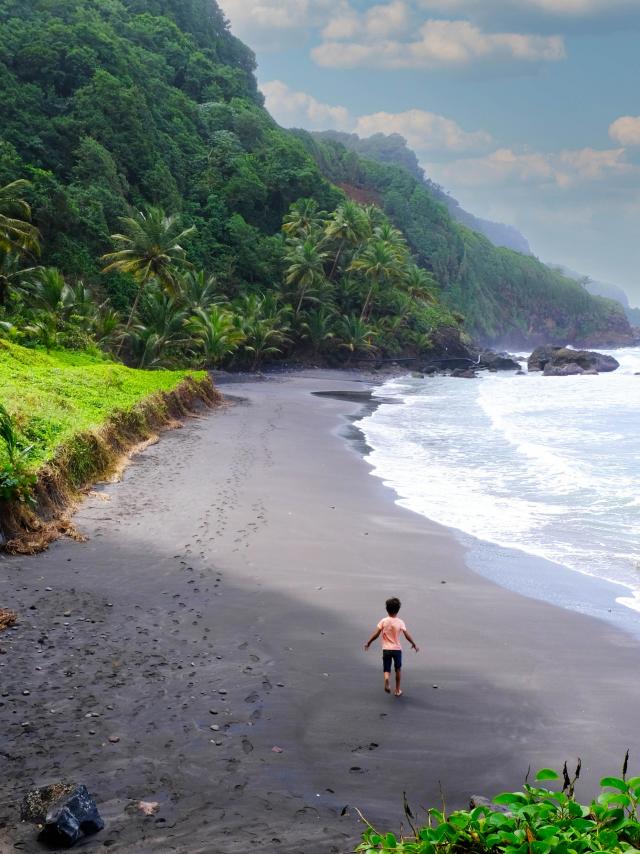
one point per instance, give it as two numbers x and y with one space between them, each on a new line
114 739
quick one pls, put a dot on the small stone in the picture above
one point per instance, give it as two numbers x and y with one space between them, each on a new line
26 693
435 686
223 691
148 807
48 589
114 739
277 750
214 727
67 614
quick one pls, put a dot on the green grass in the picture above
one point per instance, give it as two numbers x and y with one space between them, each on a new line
54 396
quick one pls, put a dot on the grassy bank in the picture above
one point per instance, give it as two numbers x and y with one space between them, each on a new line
76 416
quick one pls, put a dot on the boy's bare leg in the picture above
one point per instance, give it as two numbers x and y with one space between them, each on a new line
387 677
398 678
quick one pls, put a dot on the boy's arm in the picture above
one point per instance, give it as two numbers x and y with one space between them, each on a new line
411 640
373 637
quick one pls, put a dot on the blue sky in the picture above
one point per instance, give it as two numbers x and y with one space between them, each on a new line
527 111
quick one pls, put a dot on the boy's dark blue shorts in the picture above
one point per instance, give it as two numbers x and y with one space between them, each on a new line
391 655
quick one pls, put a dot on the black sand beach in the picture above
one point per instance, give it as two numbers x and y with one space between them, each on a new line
229 581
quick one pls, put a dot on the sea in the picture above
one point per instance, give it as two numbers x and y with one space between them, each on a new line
538 476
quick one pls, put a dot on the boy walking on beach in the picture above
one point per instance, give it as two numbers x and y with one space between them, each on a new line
391 628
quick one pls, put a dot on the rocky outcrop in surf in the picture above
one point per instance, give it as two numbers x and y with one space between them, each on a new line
562 362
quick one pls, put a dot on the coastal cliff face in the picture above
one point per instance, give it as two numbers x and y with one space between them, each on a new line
134 102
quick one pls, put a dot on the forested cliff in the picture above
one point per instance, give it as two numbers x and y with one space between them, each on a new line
111 107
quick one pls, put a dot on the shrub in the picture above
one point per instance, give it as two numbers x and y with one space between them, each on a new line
538 820
16 481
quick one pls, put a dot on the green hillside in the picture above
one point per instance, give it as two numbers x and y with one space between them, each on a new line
504 295
112 107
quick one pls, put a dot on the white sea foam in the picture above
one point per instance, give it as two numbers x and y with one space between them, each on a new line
547 465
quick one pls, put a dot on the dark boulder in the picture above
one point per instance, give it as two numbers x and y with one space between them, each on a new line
468 374
544 358
67 812
497 361
563 370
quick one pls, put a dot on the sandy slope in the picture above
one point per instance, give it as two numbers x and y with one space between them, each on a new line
250 553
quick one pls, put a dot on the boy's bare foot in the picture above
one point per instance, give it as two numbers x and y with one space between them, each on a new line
386 686
398 693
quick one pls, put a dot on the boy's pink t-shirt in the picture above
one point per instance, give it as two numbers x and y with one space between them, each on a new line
391 628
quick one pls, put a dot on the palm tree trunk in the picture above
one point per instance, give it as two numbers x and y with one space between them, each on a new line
130 320
365 307
337 258
302 295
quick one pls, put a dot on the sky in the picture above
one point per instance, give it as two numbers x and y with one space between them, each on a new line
526 111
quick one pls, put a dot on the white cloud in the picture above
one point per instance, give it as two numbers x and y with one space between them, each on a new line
427 133
562 170
272 23
626 130
299 109
441 44
378 22
556 8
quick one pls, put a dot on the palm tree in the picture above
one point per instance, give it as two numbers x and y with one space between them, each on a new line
355 335
318 328
378 263
149 248
418 283
262 322
304 218
305 270
17 234
48 290
105 327
197 290
13 277
216 334
391 235
348 225
160 331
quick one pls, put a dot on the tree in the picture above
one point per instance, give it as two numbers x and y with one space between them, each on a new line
17 234
216 335
149 248
318 328
304 218
306 269
13 277
348 225
378 263
355 335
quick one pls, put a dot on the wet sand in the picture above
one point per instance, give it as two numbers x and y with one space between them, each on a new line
229 581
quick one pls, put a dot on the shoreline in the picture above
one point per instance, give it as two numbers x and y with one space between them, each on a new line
516 569
236 570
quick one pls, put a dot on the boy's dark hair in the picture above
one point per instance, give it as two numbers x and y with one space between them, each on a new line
393 606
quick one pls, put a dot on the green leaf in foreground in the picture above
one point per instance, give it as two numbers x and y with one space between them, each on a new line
547 774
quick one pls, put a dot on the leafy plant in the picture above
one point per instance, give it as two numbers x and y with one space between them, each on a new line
16 481
536 820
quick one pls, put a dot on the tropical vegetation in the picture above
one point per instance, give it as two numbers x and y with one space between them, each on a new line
543 818
138 125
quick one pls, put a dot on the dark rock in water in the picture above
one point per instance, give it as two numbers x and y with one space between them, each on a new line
562 370
497 361
521 373
464 374
73 815
544 358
